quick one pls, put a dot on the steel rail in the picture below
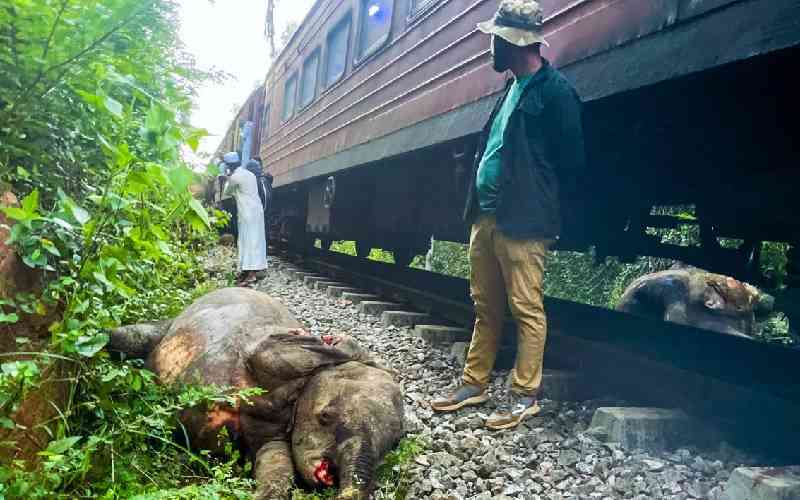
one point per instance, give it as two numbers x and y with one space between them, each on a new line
738 383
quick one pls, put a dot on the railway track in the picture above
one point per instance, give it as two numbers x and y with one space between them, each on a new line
747 390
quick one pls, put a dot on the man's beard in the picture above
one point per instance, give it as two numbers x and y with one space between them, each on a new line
500 64
501 55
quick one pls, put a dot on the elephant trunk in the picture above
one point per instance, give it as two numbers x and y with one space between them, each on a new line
357 467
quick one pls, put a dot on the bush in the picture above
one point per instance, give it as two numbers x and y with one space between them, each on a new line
94 101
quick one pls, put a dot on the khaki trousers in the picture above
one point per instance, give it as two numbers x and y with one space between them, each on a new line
506 270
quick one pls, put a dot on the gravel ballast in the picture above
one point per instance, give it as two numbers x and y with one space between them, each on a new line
550 456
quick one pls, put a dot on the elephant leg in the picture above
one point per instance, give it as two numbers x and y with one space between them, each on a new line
137 341
274 471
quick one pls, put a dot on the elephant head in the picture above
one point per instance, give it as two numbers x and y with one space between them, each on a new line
697 298
346 420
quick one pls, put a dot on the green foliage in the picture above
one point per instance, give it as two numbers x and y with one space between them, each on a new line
94 105
773 263
345 247
450 258
300 494
776 329
575 276
349 248
115 440
394 477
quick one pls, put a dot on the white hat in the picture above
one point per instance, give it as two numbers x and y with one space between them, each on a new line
231 158
518 22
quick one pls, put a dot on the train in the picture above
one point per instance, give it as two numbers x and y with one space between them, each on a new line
368 121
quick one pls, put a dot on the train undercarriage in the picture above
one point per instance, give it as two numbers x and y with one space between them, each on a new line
721 141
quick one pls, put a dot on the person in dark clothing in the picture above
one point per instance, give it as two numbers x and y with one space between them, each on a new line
530 155
254 166
264 189
268 185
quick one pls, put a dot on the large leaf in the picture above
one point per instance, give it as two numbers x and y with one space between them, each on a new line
9 318
193 140
20 368
93 99
31 202
81 215
180 178
138 182
102 278
201 212
60 446
88 346
61 222
113 106
50 247
16 213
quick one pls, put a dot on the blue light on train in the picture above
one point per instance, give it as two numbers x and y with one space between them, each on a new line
374 10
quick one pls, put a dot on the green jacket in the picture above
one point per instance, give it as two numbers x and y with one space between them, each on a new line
543 161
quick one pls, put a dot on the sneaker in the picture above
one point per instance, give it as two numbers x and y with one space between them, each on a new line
465 395
514 410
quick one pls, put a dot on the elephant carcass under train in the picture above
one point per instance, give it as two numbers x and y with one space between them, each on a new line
697 298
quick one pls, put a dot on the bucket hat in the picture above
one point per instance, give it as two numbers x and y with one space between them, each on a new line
519 22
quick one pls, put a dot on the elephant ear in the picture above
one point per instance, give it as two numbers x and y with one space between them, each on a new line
137 341
283 357
354 352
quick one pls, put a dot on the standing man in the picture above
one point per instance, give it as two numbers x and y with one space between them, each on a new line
264 190
268 203
252 243
530 155
254 167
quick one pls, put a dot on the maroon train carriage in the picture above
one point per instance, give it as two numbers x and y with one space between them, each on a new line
371 113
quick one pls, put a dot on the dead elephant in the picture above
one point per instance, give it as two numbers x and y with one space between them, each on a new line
697 298
331 411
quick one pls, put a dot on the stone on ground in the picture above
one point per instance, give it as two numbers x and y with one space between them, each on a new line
311 280
357 298
652 429
300 274
441 335
323 285
337 291
403 318
763 483
463 460
377 307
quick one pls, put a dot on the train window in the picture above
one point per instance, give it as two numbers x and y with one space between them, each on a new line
376 24
308 83
289 97
336 52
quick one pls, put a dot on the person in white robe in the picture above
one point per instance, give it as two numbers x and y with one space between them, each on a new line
252 241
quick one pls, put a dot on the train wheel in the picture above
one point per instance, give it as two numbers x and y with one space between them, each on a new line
403 256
